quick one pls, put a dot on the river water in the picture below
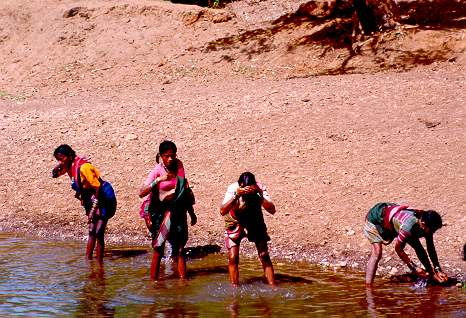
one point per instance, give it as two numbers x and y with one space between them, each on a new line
52 278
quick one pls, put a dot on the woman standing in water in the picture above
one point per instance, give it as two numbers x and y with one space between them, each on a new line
164 210
96 195
242 211
388 221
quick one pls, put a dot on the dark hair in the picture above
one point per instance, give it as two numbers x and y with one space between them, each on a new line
252 200
66 151
164 147
247 179
432 219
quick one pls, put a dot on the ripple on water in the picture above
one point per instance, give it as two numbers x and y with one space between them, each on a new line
44 278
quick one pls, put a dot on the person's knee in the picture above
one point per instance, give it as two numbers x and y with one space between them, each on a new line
159 250
265 257
100 230
233 259
176 249
92 231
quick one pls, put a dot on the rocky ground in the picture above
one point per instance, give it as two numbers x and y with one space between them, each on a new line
253 86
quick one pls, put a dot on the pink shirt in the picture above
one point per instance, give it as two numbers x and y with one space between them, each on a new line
167 186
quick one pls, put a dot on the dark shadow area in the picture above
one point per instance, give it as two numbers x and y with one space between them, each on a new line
261 39
335 34
317 12
407 59
335 24
438 14
308 15
279 279
124 252
201 251
203 3
207 271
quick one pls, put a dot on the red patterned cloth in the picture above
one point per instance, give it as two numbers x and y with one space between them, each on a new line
164 230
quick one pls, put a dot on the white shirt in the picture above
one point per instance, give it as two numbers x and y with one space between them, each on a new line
232 188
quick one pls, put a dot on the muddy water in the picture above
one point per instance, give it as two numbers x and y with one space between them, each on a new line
50 278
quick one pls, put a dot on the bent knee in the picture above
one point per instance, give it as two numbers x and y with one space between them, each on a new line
264 257
233 260
92 231
376 251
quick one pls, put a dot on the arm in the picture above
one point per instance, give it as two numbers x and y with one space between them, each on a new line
399 248
147 188
231 197
266 200
148 185
438 274
268 206
228 205
421 253
192 215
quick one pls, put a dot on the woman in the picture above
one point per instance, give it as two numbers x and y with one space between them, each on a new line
164 210
242 211
96 195
388 221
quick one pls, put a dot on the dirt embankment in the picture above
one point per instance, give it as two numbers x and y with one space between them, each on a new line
242 88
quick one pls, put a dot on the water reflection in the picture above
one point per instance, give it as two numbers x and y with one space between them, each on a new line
93 298
259 308
426 302
49 278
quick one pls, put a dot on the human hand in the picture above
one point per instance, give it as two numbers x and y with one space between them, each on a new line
440 277
170 175
421 273
58 170
246 190
193 219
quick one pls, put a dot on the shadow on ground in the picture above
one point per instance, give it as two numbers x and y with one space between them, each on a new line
329 28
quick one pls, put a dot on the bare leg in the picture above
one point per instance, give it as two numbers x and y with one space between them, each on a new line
233 264
155 265
179 260
182 266
373 262
90 246
100 237
264 257
91 241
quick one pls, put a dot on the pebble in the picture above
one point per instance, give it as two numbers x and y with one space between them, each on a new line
131 137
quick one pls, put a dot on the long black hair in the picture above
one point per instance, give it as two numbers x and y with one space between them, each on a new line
65 150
